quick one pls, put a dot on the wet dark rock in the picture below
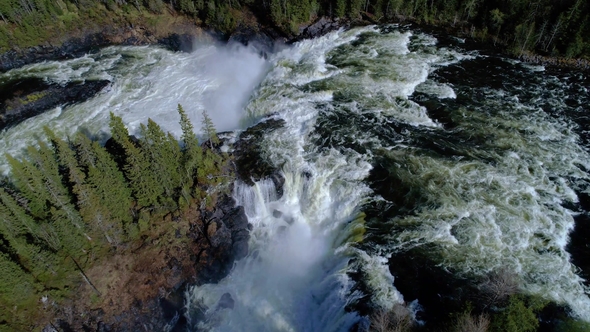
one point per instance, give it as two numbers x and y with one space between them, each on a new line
249 159
289 220
173 307
281 230
75 47
218 214
579 244
218 233
178 42
261 40
225 302
102 327
26 98
437 290
228 234
277 213
320 27
279 181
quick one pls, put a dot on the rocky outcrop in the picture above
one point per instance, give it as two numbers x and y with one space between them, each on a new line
22 99
71 48
320 27
226 232
249 155
261 40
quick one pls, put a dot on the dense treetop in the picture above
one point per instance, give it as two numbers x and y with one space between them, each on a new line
552 27
70 203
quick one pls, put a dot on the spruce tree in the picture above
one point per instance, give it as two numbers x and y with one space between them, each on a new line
65 218
96 216
29 181
192 155
145 185
25 225
17 291
20 223
41 263
208 129
163 154
105 178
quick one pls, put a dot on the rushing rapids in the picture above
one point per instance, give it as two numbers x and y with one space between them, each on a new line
391 142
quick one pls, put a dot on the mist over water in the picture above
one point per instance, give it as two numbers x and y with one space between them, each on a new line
489 179
147 82
391 142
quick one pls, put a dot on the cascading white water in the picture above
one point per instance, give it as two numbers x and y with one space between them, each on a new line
295 278
147 82
492 190
339 94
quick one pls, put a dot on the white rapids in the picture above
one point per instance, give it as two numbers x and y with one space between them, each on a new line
346 99
147 82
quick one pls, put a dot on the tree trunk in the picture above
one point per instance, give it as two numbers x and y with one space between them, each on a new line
85 277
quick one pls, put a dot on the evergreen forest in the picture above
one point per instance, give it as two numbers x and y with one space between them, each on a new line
72 203
548 27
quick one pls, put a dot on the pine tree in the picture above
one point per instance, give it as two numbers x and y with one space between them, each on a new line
66 219
208 129
145 185
163 154
105 178
96 216
192 155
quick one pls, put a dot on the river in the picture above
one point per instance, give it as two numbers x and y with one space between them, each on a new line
393 141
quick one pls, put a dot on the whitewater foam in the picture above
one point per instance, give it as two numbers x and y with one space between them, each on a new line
147 82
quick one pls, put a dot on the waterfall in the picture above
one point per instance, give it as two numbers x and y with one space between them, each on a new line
392 141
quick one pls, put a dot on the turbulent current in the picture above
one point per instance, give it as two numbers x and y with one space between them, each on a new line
393 141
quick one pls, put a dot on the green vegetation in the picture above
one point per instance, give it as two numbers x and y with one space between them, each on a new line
557 28
19 101
72 203
494 305
519 315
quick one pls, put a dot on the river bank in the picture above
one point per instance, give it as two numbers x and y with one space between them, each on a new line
175 289
105 25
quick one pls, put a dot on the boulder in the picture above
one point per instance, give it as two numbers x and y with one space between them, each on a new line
225 302
248 154
261 41
320 27
178 42
227 234
26 98
277 213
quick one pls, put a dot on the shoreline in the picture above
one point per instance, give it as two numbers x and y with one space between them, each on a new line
138 35
177 32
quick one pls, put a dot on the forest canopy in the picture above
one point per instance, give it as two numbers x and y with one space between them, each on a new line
557 28
71 202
